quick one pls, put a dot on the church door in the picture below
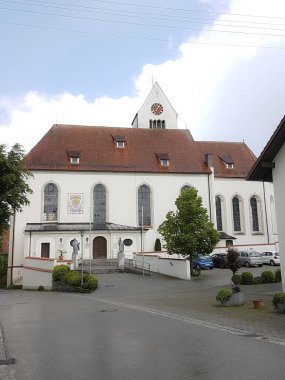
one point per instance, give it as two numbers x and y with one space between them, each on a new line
99 248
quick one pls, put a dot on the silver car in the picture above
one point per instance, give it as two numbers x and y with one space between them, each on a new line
271 258
250 259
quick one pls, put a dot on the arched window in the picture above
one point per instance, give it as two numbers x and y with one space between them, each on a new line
219 215
236 214
185 187
50 202
99 199
144 208
255 214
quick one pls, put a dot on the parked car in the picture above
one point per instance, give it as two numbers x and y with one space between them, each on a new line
271 258
203 262
220 260
250 259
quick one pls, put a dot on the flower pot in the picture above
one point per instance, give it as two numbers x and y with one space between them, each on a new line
280 307
237 299
258 304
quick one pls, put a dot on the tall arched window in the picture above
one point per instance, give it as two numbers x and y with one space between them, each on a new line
236 214
144 205
219 216
99 209
50 202
254 214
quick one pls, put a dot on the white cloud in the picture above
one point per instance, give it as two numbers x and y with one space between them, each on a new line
218 91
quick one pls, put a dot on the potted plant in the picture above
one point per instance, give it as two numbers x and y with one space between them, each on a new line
278 302
230 297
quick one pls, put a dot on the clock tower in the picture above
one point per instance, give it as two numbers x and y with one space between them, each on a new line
156 112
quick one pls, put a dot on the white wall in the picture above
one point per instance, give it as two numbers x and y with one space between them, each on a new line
279 186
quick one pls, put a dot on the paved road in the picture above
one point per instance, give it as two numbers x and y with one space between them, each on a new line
132 328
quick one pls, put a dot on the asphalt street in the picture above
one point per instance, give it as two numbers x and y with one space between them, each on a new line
135 327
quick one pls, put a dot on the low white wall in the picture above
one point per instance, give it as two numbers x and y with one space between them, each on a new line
37 272
254 247
179 268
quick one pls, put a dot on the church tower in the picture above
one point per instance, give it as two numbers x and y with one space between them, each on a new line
156 112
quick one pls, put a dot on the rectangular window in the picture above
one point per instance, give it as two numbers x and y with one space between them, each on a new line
45 248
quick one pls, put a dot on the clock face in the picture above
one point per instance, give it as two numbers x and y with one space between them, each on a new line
156 109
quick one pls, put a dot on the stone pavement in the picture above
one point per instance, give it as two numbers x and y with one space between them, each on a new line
197 299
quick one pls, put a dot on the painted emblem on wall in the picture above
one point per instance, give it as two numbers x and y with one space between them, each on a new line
75 204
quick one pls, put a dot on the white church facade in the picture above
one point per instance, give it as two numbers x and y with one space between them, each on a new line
100 184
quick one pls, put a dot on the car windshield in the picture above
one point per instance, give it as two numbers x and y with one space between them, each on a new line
205 258
254 254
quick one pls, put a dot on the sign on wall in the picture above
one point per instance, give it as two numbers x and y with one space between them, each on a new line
75 203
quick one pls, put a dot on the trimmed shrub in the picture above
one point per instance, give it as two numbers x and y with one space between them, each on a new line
91 284
59 272
267 277
236 279
233 260
3 270
72 278
157 245
247 278
257 280
86 277
223 295
41 288
277 275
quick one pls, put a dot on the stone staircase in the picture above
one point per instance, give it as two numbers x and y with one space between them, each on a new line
100 266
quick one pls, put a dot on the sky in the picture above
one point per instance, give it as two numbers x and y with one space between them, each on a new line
88 62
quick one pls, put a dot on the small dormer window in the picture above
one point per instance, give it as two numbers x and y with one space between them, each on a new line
74 157
74 160
119 141
227 160
163 158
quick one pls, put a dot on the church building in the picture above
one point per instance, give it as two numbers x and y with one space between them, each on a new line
101 184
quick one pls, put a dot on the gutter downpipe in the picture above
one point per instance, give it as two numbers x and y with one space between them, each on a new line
209 195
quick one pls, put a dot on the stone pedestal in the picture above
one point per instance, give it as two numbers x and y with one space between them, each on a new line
121 261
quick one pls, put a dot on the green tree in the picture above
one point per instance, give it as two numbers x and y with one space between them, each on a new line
188 231
13 183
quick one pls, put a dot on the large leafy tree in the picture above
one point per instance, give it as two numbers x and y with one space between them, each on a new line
14 188
188 231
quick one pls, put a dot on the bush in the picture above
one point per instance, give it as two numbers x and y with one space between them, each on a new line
278 297
72 278
277 275
91 284
59 272
247 278
41 288
157 245
267 277
223 295
257 280
236 279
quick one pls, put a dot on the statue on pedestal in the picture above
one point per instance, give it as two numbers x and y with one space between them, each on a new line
76 247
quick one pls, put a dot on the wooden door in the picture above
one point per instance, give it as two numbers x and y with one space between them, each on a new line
99 247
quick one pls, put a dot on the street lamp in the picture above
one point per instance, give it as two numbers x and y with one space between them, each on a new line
81 233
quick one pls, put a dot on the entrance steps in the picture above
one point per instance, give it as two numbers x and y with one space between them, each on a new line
100 266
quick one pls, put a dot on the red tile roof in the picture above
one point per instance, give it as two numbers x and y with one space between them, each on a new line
98 151
224 152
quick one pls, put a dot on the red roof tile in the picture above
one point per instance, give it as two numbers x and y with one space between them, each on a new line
98 151
224 152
